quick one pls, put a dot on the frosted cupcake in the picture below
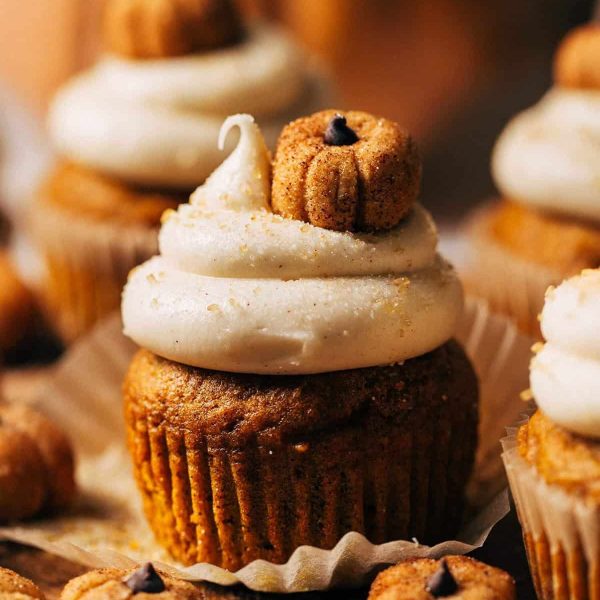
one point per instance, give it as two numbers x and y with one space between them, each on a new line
299 381
546 165
553 463
135 135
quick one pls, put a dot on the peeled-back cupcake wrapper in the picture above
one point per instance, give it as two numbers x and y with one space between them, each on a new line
88 260
508 283
561 532
107 527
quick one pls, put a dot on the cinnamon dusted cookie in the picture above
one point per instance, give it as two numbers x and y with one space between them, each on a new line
346 171
577 62
15 587
118 584
457 577
36 464
153 29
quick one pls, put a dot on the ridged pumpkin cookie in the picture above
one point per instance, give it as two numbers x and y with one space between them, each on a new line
346 171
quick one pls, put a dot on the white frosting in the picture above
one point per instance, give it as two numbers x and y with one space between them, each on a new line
549 155
154 122
237 288
565 373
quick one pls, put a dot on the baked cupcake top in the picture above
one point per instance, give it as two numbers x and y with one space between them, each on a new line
239 288
565 372
455 577
15 587
149 114
549 156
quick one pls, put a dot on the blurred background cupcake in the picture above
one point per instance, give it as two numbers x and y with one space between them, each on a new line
553 461
546 164
136 133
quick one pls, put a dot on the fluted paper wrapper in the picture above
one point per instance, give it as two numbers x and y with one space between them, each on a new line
561 532
86 263
511 285
107 527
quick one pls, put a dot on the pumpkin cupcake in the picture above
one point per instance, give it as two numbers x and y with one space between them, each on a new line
135 135
457 577
553 462
298 378
15 587
546 164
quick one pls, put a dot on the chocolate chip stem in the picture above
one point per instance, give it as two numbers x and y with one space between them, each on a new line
338 133
145 580
442 583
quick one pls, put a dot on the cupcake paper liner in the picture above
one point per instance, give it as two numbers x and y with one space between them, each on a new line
561 532
510 285
107 527
86 265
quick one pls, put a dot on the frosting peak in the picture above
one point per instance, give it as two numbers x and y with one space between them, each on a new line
238 288
242 182
565 373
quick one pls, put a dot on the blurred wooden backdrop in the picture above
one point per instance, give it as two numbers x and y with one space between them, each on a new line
446 69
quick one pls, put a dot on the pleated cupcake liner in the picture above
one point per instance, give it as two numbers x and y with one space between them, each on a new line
511 285
108 526
86 265
561 532
230 507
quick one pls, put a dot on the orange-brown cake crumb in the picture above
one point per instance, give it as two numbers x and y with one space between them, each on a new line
15 587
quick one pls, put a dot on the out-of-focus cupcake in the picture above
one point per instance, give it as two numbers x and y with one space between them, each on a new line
298 378
135 135
553 461
546 165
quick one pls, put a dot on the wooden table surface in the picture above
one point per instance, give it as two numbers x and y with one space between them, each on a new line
504 549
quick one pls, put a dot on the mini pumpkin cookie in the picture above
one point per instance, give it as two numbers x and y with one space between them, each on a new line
153 29
577 62
15 587
458 577
117 584
346 172
36 464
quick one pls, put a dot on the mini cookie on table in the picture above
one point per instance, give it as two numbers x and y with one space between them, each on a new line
121 584
455 577
15 587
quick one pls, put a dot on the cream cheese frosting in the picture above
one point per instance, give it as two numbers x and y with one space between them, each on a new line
549 156
565 373
154 122
237 288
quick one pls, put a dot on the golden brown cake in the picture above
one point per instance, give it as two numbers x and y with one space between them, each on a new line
456 577
296 382
137 132
553 464
238 467
546 225
120 584
15 587
17 308
37 466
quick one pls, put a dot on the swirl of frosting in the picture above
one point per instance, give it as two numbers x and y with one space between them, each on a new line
565 373
549 155
154 122
237 288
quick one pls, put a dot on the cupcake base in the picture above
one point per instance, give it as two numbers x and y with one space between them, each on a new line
561 531
233 468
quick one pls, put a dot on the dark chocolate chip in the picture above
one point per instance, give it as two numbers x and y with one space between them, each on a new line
338 133
442 583
146 580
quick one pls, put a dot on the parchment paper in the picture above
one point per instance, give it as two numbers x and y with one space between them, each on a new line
107 528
